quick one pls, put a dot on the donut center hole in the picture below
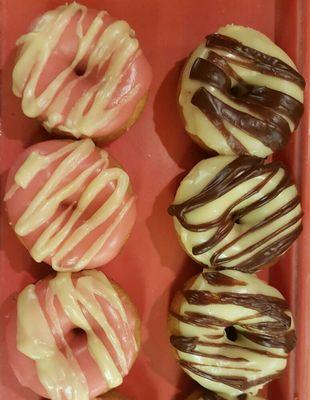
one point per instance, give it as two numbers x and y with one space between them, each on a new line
238 90
231 333
79 70
64 205
78 332
236 218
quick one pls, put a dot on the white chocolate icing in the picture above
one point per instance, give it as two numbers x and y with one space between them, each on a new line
200 126
241 358
199 177
59 371
116 46
58 238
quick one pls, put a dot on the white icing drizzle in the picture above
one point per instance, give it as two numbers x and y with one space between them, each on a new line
59 238
59 371
116 47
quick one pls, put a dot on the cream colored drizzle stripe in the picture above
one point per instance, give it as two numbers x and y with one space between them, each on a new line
59 372
57 241
116 46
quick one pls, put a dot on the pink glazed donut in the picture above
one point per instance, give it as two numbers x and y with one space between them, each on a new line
70 204
75 333
81 73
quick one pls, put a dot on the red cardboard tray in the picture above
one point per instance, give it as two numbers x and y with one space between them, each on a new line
156 153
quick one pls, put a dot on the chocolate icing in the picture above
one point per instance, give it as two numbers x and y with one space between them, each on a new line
235 173
238 382
254 59
218 279
274 332
270 134
266 107
185 344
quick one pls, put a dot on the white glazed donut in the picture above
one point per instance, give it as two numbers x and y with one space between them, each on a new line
240 93
81 73
231 331
237 212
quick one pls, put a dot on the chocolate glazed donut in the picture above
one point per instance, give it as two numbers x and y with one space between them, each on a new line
231 332
249 100
240 214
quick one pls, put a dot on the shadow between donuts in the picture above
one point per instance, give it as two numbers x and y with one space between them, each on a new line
28 130
174 258
164 237
8 378
18 256
168 122
163 362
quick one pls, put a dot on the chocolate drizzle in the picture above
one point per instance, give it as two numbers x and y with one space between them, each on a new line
254 59
237 382
267 108
274 334
270 327
232 175
270 134
218 279
186 344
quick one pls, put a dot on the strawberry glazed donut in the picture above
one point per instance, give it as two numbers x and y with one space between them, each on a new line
73 336
70 204
231 332
205 394
237 212
81 73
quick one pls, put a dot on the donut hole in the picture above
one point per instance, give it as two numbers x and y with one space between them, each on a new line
64 205
80 70
236 219
231 333
238 90
78 332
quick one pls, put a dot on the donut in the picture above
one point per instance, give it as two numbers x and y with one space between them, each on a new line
82 73
240 94
237 212
70 203
72 336
231 332
205 394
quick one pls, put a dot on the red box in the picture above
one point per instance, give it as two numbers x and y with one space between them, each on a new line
156 153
